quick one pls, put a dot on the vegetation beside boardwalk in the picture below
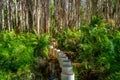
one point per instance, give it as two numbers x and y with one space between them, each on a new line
88 31
95 47
20 55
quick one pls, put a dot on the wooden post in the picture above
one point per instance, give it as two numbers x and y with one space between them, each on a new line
66 65
66 62
67 68
55 52
61 59
51 50
60 54
67 76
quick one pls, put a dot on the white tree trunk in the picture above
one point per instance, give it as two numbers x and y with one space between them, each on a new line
47 12
16 12
21 17
88 11
107 10
117 12
38 21
8 15
3 21
11 15
27 16
77 16
100 7
56 10
38 15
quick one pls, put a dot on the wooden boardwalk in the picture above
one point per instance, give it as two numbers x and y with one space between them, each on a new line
61 65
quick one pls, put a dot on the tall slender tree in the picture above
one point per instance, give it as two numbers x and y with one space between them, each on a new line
8 15
107 10
77 6
117 12
88 11
3 20
94 6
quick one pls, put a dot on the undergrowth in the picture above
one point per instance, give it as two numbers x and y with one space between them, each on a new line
19 53
97 46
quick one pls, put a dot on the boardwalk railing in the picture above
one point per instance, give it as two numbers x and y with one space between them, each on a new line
65 64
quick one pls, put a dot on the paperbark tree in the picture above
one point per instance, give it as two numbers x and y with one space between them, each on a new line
3 20
27 15
62 15
8 15
100 8
47 16
56 14
70 12
16 13
21 16
88 11
107 10
77 6
38 15
94 7
117 14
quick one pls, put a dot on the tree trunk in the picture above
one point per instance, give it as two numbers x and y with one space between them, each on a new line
47 16
11 15
56 2
88 11
16 12
94 7
100 7
77 6
8 15
62 15
38 16
117 13
30 10
3 21
66 10
107 10
21 16
70 16
27 16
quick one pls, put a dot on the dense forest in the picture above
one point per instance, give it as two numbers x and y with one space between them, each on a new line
42 15
88 31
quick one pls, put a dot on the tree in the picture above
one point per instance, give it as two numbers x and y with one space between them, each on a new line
26 15
94 7
117 12
107 10
88 11
8 15
77 6
3 20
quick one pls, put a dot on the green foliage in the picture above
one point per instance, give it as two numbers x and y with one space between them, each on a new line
95 20
42 46
76 72
114 76
97 46
17 54
69 38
